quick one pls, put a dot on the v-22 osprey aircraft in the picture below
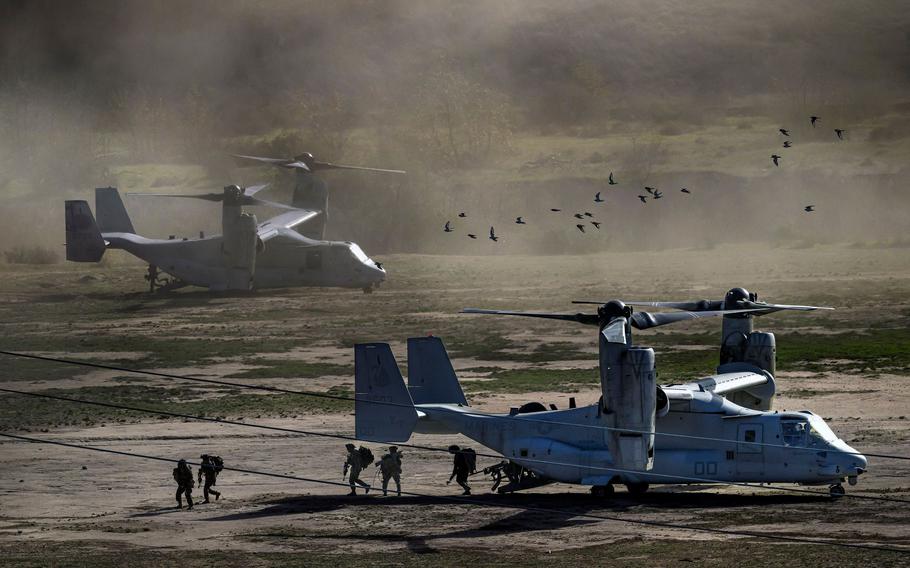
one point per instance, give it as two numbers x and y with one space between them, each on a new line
280 252
720 428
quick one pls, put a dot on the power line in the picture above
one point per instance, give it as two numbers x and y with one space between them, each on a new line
469 501
397 404
435 449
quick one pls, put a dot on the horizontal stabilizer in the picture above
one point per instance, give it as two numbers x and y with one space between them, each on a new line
383 408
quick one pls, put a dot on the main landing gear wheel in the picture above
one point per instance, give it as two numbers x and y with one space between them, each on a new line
602 490
837 491
637 488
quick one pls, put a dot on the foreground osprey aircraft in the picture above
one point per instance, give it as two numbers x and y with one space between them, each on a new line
247 255
719 428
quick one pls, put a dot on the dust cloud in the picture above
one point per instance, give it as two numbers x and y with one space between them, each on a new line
498 109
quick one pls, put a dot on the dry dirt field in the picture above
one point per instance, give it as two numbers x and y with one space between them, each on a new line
71 507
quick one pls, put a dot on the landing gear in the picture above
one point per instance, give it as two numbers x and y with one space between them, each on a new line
837 491
368 290
602 491
157 283
637 488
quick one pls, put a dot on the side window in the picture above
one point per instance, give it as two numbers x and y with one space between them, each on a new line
749 436
314 259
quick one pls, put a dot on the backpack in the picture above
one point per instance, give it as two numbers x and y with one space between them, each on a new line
366 456
218 463
470 456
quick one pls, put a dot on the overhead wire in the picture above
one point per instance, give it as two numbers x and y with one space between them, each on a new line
504 505
523 417
675 478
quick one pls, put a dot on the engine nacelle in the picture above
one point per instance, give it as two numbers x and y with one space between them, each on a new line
631 409
241 240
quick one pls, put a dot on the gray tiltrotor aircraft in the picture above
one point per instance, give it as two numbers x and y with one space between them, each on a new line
719 428
248 255
284 251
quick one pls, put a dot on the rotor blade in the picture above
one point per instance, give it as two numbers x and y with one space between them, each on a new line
768 308
647 320
253 190
255 201
590 319
328 166
694 306
280 162
205 196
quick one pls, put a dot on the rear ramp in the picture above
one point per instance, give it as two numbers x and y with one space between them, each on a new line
383 409
431 378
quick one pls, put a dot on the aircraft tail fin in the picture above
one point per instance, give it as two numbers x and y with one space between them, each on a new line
112 215
83 239
431 378
384 411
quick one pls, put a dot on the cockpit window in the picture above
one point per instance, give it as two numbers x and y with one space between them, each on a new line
358 253
820 430
793 432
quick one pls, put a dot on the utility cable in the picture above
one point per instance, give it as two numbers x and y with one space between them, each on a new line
411 406
435 449
504 505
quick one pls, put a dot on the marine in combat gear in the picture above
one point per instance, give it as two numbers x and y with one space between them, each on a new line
183 475
210 467
390 468
354 464
464 463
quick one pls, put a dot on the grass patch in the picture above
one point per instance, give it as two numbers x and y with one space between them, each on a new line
629 553
872 350
20 412
533 380
288 368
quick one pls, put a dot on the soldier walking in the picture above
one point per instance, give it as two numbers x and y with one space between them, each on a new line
183 475
209 469
355 464
464 463
390 468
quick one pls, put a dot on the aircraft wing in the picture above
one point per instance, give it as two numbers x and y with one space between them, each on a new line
726 383
270 228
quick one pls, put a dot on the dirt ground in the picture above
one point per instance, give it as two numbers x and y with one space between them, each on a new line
63 506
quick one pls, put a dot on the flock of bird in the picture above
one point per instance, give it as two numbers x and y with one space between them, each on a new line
776 158
652 193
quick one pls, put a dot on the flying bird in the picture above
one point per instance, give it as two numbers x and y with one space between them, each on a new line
813 120
462 214
784 131
597 198
472 236
787 143
649 190
448 229
612 181
684 190
581 228
658 194
644 198
596 224
588 214
579 216
776 159
493 236
519 221
556 210
839 132
809 208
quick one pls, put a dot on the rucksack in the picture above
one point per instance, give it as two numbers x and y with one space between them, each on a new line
218 463
366 456
470 457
